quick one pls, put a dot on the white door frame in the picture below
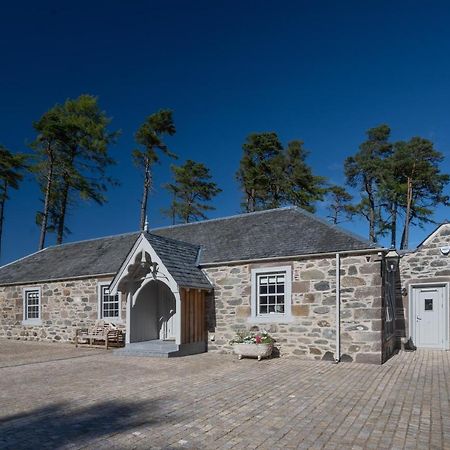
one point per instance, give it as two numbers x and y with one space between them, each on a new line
412 309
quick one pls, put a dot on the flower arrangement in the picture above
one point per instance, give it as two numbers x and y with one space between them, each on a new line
251 337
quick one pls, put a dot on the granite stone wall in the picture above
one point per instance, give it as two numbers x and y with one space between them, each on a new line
312 331
65 306
427 264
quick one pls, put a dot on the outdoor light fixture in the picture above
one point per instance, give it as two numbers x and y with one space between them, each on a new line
392 260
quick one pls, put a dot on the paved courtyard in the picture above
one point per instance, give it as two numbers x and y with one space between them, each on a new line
55 396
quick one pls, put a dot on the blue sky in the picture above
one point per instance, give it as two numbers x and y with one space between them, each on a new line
322 71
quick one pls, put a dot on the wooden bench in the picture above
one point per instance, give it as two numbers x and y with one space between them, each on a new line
102 332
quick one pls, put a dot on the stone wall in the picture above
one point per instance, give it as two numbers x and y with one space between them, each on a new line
312 332
427 264
65 306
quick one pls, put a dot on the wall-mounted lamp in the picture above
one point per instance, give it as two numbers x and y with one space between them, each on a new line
392 260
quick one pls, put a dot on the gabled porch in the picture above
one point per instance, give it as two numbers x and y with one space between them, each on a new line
164 316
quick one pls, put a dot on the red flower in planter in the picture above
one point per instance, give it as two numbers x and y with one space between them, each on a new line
258 339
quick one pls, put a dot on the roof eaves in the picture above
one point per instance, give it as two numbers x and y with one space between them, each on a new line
55 280
292 257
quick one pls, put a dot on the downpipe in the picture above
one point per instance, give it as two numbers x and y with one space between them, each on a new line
337 353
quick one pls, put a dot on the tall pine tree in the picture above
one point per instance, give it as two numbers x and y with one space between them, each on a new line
271 176
192 192
364 171
149 137
339 207
11 174
72 148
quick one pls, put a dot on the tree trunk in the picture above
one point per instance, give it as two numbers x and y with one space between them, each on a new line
147 185
46 199
372 236
335 214
251 201
394 224
2 212
405 237
62 213
372 223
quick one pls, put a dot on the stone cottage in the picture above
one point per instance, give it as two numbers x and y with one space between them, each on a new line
321 291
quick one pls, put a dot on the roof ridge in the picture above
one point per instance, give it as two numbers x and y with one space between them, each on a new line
333 226
219 219
178 241
91 239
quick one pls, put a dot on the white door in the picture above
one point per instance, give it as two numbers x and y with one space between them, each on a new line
429 317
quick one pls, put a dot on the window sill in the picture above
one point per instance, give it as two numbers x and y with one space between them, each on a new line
271 319
32 322
113 320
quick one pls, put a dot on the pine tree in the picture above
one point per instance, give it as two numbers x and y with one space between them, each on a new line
260 171
421 182
364 171
192 191
150 139
72 149
271 176
302 187
339 207
11 174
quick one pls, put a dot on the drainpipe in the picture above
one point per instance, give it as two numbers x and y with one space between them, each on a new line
337 355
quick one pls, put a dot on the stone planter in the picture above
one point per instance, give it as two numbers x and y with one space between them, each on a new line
253 350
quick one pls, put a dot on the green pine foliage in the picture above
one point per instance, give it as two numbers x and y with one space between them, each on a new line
340 208
72 160
363 172
271 176
400 181
149 138
192 192
12 167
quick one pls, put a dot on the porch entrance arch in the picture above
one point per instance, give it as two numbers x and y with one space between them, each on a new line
153 313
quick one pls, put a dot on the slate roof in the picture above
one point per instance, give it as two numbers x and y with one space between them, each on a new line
273 233
182 248
91 257
104 256
180 258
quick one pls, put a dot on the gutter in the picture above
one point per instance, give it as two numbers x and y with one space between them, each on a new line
337 353
288 258
52 280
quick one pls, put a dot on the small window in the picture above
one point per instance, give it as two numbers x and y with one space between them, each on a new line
271 298
32 305
428 304
109 307
271 294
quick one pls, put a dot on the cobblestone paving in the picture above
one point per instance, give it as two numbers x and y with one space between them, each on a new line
98 400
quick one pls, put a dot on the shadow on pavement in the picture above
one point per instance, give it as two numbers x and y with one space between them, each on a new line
58 425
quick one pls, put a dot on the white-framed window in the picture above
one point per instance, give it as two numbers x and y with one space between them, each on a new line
271 294
32 306
109 306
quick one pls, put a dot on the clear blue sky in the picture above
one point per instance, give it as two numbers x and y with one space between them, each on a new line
322 71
